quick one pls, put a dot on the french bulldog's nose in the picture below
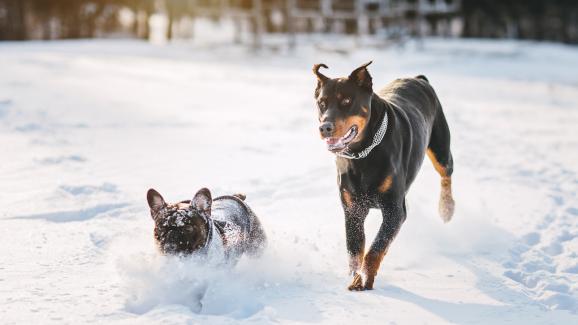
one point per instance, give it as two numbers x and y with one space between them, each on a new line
326 129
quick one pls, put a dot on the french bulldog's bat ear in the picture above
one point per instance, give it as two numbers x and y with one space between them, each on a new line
362 77
202 201
320 76
155 200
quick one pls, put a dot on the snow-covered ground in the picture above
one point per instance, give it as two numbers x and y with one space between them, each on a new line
86 127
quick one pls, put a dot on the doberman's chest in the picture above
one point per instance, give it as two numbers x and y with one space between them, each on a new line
392 165
365 181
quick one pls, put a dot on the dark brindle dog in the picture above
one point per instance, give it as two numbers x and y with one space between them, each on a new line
380 141
225 225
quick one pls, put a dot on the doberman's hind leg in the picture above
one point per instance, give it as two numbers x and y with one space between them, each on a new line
441 156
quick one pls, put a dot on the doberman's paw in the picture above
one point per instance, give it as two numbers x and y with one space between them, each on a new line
368 285
446 208
447 204
358 283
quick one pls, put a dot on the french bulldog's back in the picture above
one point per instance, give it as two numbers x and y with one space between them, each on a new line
241 229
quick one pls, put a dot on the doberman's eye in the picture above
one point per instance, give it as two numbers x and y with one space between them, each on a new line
322 104
346 101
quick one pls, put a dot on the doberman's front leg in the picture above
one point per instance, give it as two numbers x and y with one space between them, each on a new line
355 213
394 215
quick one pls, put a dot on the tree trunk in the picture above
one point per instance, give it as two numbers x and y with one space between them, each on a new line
170 21
14 27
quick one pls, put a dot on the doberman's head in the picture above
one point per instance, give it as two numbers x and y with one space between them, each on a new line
344 107
181 228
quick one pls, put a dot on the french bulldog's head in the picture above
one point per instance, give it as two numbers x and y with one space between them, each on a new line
181 228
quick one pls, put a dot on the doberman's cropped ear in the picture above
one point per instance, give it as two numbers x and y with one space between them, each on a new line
202 201
362 77
155 200
320 76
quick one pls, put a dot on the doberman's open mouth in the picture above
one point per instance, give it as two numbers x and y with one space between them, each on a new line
339 144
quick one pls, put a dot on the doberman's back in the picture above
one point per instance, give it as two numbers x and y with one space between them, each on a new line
413 96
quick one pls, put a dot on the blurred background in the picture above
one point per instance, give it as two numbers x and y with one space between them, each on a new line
183 94
251 21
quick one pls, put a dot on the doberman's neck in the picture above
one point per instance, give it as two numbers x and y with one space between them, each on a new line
377 113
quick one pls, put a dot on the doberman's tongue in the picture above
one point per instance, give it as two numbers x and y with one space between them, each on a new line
335 144
332 140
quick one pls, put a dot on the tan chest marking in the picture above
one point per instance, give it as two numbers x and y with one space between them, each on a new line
386 184
346 198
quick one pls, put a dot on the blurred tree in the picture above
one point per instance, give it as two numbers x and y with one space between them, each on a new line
176 9
12 13
555 20
142 10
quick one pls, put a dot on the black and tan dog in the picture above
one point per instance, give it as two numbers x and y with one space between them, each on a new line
224 225
380 140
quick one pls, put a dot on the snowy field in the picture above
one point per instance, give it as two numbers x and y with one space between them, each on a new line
86 127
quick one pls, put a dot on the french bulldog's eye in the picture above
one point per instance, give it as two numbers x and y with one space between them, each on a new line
346 101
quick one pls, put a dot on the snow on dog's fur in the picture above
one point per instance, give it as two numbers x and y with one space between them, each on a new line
203 224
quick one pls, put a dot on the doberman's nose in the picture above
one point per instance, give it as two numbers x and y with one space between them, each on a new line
326 129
